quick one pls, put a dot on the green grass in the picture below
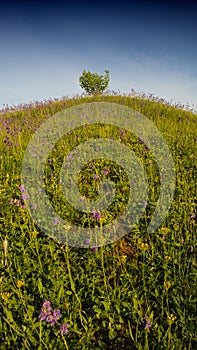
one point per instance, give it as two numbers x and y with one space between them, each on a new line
104 296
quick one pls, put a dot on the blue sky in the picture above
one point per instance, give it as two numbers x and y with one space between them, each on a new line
147 46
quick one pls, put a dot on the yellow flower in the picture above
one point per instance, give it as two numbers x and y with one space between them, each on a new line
6 295
67 226
20 284
165 229
142 245
34 233
171 318
167 257
123 258
167 285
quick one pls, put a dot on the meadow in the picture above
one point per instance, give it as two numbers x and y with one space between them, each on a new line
138 292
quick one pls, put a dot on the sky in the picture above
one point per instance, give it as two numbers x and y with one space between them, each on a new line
148 46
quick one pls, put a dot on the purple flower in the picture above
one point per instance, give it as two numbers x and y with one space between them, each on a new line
96 215
24 196
56 315
147 323
96 176
105 170
42 316
94 248
50 161
96 149
47 304
11 201
64 328
22 189
144 205
87 241
122 132
50 319
56 221
45 311
192 215
69 156
146 148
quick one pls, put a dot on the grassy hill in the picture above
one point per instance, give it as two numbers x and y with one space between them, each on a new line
138 292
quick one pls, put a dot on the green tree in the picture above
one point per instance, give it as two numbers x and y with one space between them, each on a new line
93 83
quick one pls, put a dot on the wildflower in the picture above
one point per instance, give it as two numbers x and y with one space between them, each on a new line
20 284
96 176
6 295
87 241
45 310
105 170
123 258
69 156
167 285
94 248
171 319
53 317
24 196
11 201
56 314
34 233
56 221
49 318
142 245
22 188
192 215
82 199
96 149
64 328
167 257
67 226
147 324
49 161
96 215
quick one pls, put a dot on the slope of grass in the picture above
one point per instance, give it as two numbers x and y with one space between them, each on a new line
136 293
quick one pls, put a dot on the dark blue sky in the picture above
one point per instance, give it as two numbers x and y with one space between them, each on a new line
148 46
